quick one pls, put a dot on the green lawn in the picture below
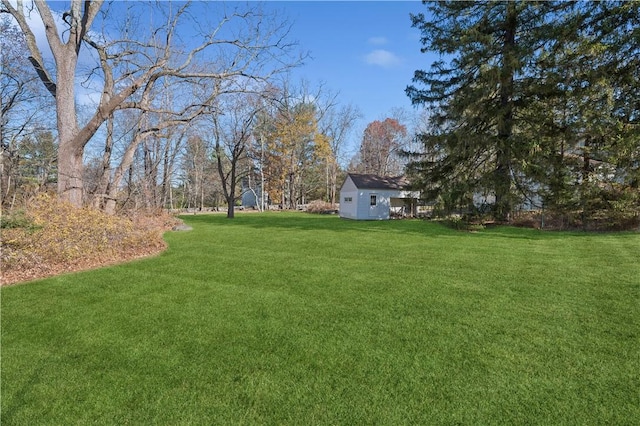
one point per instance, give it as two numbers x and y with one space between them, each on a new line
286 318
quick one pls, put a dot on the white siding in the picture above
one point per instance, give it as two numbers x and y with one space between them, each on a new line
382 209
363 203
349 209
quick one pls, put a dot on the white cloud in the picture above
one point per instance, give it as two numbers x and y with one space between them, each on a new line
382 58
378 41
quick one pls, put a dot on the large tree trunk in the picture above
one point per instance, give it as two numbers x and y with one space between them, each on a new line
502 175
231 203
70 168
70 150
231 199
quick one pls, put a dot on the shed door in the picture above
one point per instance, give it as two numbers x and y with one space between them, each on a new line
373 205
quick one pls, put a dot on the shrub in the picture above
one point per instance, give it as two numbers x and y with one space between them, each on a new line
54 236
16 219
461 223
322 207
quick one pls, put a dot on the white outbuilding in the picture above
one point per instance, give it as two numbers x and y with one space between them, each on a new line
372 197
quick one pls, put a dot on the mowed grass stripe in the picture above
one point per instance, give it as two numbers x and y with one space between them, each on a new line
286 318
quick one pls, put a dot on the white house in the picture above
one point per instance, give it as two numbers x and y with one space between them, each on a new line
372 197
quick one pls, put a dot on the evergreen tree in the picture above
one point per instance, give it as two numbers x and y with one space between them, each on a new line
584 124
475 96
530 101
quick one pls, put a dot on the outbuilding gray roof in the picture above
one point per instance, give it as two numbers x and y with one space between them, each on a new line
368 181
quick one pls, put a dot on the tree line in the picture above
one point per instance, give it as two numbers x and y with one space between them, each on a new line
145 120
531 106
531 103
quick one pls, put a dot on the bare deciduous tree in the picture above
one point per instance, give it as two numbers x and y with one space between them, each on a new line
233 132
23 108
132 71
336 123
381 148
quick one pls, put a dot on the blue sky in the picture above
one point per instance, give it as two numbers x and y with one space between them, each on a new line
365 50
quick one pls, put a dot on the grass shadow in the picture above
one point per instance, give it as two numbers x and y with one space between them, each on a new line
427 228
320 223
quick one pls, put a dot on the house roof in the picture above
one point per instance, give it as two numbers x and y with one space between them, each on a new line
368 181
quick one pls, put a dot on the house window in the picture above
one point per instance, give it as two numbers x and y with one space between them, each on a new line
374 200
348 199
